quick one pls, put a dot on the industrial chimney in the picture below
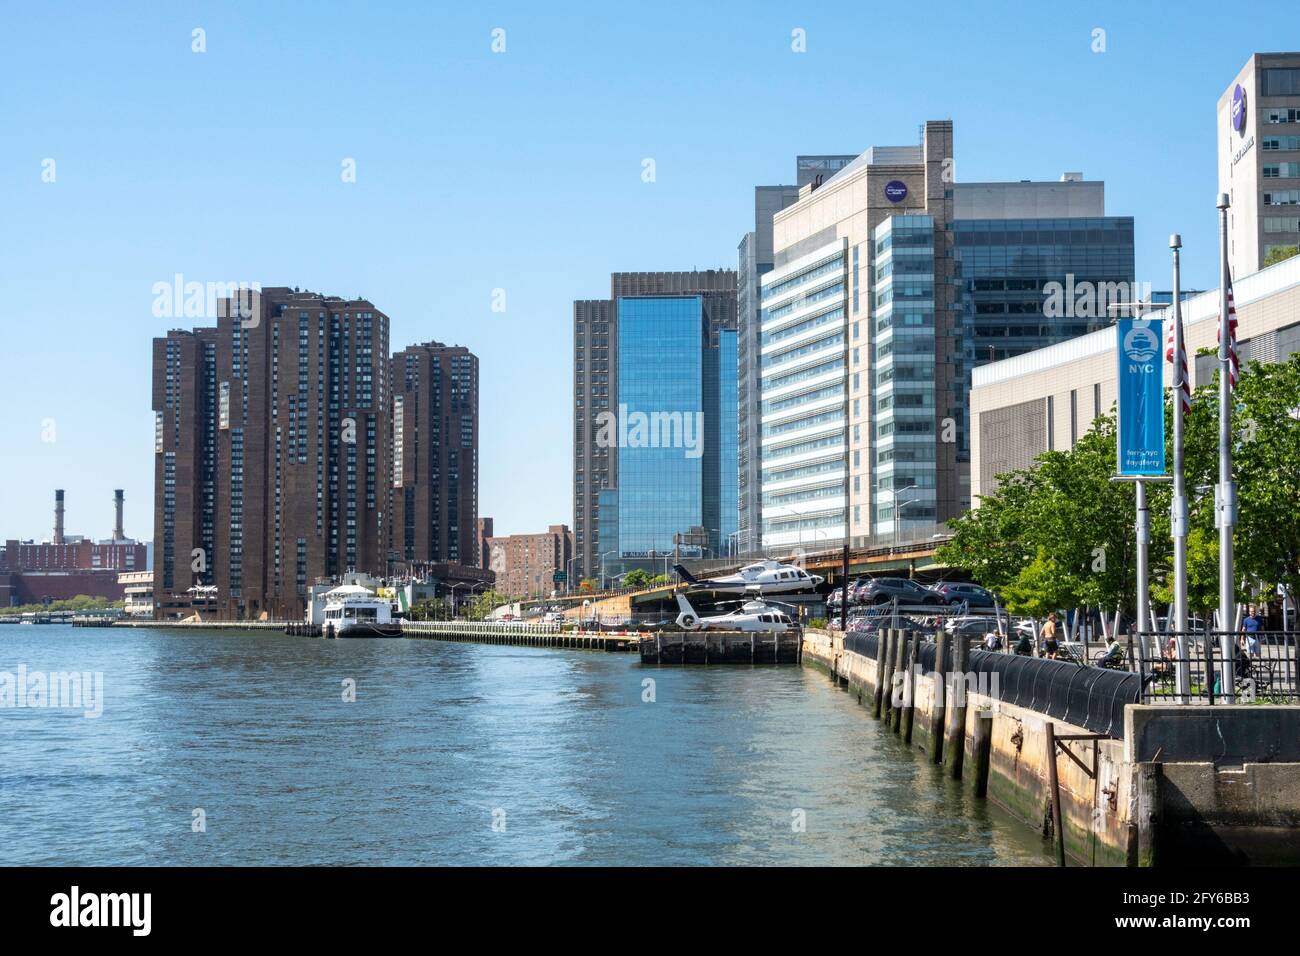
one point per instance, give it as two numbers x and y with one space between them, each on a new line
118 534
58 516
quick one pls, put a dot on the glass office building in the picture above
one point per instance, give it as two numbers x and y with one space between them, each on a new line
1008 264
676 439
721 458
903 374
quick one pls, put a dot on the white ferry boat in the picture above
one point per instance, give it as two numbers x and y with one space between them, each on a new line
354 611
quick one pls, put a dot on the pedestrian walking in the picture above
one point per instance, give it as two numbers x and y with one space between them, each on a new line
1051 636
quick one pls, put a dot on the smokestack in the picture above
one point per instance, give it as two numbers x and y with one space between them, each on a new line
58 516
118 534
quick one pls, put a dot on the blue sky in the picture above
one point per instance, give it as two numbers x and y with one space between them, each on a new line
519 170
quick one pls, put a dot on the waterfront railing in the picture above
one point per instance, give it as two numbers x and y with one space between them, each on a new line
479 628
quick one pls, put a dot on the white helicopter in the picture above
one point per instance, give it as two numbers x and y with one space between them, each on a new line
750 616
762 577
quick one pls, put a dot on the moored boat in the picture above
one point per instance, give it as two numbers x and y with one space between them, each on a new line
354 611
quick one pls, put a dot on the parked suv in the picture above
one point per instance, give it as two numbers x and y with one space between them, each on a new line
956 592
908 592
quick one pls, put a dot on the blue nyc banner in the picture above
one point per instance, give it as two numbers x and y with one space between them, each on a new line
1141 443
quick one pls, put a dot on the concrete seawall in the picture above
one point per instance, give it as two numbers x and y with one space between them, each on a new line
1178 787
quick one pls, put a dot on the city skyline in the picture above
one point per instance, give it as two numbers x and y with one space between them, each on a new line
495 201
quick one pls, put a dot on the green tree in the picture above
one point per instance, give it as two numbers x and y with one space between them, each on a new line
1279 253
1266 463
1041 586
431 609
483 604
1202 573
1060 534
637 578
1056 535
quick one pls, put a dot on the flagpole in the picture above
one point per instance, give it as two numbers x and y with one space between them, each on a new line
1226 491
1178 512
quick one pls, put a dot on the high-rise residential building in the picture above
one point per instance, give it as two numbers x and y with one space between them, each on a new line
597 389
484 532
755 261
595 380
435 457
528 564
271 451
890 282
1258 129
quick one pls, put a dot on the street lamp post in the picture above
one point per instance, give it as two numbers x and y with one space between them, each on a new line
893 494
733 543
603 577
1226 491
1178 508
455 603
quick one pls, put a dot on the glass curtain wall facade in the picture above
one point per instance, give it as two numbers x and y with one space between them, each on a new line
722 475
802 411
677 433
1007 265
661 388
903 374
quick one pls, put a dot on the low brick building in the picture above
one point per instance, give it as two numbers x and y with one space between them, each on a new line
526 564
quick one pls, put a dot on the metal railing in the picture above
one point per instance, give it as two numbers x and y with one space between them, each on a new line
1266 670
1093 698
484 628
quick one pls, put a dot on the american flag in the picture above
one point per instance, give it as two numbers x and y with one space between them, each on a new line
1180 368
1234 363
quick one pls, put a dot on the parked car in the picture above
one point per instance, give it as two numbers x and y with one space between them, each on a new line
907 591
858 591
1195 624
972 626
961 592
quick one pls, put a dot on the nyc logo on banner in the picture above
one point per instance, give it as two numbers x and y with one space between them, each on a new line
1141 442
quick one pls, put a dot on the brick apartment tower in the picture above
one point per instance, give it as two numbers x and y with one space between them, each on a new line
434 478
525 564
271 452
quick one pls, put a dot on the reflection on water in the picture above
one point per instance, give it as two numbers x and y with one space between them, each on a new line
459 754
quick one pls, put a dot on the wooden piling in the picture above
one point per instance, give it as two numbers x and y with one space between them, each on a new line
1054 786
900 664
940 702
889 636
880 676
908 716
954 744
1146 843
981 742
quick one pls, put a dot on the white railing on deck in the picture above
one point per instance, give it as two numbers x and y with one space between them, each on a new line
478 628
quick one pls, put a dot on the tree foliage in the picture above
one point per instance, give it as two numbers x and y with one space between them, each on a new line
1060 534
1279 253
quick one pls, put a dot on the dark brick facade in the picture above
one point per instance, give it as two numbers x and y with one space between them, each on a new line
272 452
433 486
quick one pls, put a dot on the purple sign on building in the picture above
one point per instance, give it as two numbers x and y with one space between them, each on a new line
895 190
1239 110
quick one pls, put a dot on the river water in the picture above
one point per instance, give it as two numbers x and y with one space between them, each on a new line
240 748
